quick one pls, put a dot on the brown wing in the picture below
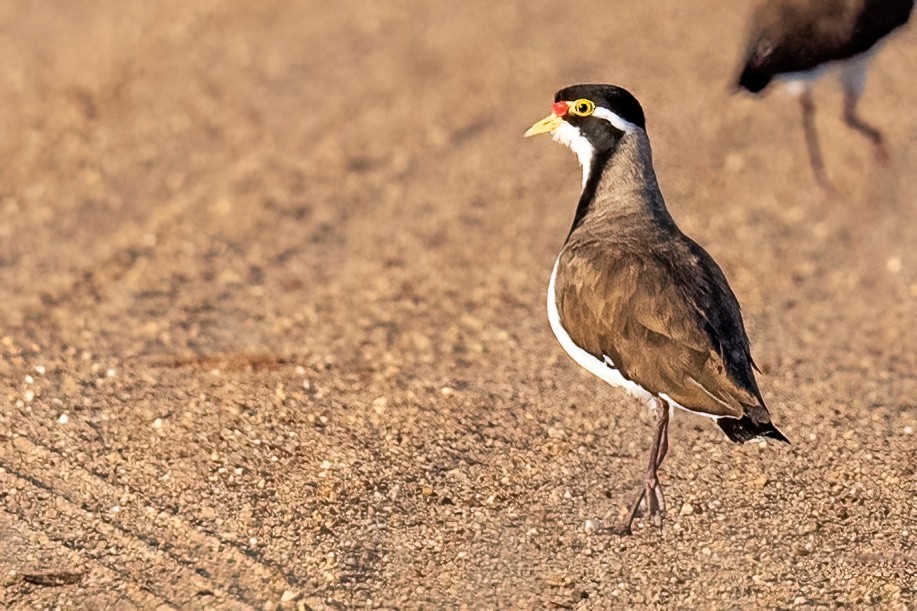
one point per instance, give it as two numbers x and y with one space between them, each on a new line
673 328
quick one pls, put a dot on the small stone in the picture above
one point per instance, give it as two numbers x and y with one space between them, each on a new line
29 379
325 465
28 395
908 430
589 526
157 424
447 391
808 527
110 373
686 509
894 265
706 551
288 595
40 370
63 419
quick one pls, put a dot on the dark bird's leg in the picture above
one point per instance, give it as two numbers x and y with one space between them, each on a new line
808 126
650 501
853 120
853 81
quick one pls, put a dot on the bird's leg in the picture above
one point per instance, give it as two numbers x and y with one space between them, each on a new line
853 120
853 81
650 498
808 127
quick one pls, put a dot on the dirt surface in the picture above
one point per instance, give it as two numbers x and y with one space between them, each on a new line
273 329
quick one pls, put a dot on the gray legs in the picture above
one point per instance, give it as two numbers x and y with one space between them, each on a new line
808 127
852 77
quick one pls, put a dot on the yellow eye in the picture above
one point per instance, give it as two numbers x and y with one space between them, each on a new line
583 107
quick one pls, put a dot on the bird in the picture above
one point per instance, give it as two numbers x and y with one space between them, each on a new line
634 300
799 41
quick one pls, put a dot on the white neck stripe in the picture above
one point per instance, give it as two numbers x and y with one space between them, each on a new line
614 119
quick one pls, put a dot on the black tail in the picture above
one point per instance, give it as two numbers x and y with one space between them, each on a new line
745 429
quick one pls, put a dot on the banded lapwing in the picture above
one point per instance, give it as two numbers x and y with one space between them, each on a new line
798 41
633 299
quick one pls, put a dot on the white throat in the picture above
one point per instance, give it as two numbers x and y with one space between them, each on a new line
572 138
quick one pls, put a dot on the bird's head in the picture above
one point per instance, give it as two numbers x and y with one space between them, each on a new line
591 120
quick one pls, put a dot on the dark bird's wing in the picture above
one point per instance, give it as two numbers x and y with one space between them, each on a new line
670 324
799 35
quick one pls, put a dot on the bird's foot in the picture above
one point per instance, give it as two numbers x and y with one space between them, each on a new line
653 503
880 150
822 192
650 504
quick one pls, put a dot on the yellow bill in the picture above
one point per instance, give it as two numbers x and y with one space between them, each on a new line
545 126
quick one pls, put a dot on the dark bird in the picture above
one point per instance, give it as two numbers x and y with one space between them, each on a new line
798 41
632 298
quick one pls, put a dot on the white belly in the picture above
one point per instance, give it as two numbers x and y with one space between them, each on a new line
851 72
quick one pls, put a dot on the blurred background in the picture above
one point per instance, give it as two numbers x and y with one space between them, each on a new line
273 333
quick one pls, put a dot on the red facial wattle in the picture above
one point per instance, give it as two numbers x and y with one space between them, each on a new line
560 108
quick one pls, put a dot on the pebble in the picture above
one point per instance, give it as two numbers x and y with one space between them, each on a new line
288 595
157 424
686 509
63 419
589 526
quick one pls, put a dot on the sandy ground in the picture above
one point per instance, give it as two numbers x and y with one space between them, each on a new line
273 327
